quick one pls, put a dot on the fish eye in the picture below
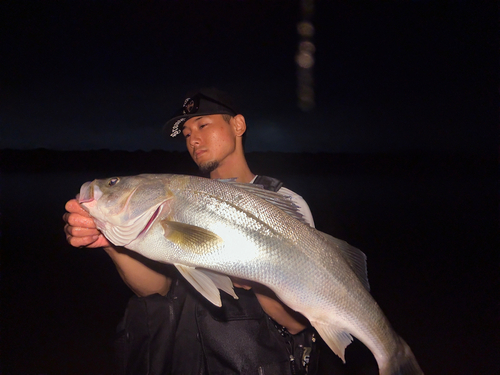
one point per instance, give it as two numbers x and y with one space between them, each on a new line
113 181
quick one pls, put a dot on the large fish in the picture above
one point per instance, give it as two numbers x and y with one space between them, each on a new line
209 229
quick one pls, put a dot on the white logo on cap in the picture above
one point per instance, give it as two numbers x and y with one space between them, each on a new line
175 128
188 106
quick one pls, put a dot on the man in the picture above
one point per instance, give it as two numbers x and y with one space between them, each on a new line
184 335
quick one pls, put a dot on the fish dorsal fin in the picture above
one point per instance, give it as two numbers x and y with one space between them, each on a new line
337 339
191 238
283 202
353 256
226 179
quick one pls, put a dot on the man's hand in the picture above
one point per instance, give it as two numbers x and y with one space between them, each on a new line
80 228
272 306
241 283
142 275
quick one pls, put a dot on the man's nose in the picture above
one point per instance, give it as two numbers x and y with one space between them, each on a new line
194 138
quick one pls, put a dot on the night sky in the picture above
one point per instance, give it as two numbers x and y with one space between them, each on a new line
389 75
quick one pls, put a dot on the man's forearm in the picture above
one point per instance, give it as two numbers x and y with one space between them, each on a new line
137 272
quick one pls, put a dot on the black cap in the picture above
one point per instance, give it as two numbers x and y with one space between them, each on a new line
205 101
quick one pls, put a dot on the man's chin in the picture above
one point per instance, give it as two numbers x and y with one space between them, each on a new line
208 167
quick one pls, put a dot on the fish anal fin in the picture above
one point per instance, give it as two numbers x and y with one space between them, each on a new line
191 238
337 339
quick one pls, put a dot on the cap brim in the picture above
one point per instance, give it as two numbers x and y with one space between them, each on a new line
168 127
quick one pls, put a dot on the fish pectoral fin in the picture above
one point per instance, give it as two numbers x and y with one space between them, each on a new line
337 339
191 238
202 282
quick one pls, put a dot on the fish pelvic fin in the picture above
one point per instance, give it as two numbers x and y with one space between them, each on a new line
337 339
221 282
191 238
207 283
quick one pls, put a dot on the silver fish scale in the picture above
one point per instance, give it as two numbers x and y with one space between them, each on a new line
275 234
251 204
288 250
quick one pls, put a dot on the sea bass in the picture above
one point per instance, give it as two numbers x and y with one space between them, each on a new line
211 229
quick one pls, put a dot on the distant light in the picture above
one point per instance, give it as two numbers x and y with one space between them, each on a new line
305 29
305 58
307 46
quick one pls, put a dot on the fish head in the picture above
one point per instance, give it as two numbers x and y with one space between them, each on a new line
124 208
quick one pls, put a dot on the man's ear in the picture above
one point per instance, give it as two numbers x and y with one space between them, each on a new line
240 126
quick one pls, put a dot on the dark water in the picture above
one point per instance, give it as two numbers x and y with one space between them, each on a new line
429 226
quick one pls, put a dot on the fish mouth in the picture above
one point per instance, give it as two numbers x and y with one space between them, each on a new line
88 192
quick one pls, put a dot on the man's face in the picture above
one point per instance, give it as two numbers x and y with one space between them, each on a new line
209 140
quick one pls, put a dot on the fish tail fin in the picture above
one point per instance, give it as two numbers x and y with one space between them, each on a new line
403 362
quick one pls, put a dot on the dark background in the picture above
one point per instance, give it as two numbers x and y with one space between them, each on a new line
399 156
389 75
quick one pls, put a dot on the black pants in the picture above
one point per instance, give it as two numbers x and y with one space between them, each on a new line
183 333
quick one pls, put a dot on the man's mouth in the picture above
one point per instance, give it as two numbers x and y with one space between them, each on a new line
198 153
